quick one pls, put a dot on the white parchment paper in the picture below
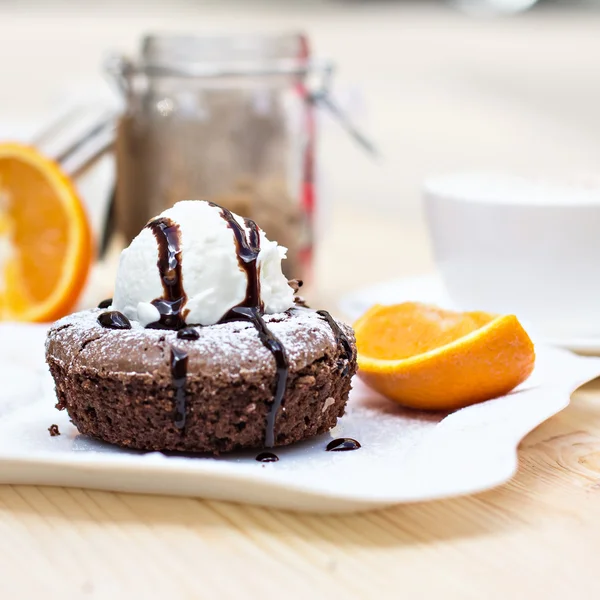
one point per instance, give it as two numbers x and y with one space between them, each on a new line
406 455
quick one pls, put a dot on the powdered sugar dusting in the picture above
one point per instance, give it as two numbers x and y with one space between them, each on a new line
235 346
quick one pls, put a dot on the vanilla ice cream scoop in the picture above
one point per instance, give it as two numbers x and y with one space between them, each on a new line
190 260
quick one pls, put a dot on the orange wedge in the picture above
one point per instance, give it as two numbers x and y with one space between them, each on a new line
433 359
45 240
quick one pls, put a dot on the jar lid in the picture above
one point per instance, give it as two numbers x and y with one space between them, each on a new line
225 55
246 52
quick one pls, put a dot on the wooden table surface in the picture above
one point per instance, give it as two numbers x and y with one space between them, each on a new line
535 537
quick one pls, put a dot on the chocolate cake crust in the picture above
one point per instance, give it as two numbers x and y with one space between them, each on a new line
117 384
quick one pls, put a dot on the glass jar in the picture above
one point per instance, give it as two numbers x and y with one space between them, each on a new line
227 119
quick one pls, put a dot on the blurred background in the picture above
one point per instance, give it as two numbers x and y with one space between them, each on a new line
436 86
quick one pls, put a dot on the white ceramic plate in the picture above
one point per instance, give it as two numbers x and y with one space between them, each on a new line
430 289
406 456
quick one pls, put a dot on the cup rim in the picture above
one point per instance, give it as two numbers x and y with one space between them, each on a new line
502 189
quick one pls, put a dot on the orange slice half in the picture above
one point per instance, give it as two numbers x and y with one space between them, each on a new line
433 359
45 240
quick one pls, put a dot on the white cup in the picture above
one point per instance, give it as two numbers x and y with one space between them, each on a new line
506 244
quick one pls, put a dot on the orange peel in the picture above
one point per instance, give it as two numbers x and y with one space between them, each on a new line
434 359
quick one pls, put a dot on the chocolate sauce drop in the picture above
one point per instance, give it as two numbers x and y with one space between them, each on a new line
105 303
171 304
114 320
341 338
179 360
189 333
247 245
267 457
342 445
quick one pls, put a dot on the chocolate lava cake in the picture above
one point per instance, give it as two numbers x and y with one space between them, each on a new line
250 380
122 385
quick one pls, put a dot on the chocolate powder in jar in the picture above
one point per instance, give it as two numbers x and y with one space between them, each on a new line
233 149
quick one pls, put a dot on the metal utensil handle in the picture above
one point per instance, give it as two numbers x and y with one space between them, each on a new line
322 97
87 147
106 122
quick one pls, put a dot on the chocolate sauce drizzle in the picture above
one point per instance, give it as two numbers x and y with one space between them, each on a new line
114 319
267 457
342 445
275 347
250 309
170 305
247 246
341 338
179 360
